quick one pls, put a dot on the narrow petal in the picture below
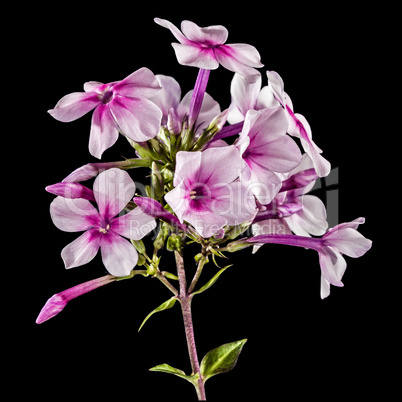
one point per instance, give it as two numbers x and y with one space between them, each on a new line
138 119
118 255
82 250
140 84
212 35
195 56
325 287
175 31
231 58
299 127
73 215
134 225
333 265
348 241
113 189
104 131
75 105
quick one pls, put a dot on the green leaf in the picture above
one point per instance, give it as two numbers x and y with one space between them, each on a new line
221 359
164 306
212 280
165 368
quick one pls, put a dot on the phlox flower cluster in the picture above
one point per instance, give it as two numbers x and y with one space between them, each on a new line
215 171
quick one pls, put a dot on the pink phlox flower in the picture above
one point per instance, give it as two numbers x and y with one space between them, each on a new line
174 109
266 150
121 106
205 48
58 301
103 228
207 193
293 210
247 97
342 239
298 125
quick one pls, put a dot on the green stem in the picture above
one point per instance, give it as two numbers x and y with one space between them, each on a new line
185 301
197 275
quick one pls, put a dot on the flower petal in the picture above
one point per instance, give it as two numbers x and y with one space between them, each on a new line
134 225
118 255
74 105
348 241
333 265
138 119
239 58
104 131
244 97
187 167
169 97
205 222
220 166
82 250
234 202
175 31
140 84
113 189
195 56
212 35
178 200
73 215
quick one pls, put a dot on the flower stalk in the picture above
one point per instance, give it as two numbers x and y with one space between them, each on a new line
185 299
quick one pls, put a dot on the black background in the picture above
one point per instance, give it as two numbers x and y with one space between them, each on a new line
298 345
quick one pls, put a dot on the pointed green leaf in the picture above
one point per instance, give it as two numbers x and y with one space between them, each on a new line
164 306
221 359
212 280
165 368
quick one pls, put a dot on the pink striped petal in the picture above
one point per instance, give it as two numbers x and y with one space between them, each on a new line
140 84
134 225
138 119
73 215
74 105
82 250
113 189
212 35
104 131
195 56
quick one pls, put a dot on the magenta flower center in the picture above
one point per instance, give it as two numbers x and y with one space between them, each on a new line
104 230
107 97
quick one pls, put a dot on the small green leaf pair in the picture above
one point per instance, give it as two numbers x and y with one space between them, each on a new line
219 360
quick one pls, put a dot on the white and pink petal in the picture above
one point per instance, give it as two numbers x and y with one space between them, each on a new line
118 255
82 250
